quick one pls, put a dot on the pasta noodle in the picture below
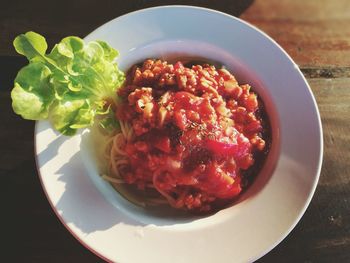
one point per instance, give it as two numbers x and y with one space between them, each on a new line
187 137
118 158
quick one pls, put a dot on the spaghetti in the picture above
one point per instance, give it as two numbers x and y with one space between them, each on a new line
187 136
115 151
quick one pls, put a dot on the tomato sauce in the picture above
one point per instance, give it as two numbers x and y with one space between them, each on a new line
197 133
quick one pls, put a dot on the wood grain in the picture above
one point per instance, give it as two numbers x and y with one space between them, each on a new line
65 17
323 233
316 33
30 229
326 72
313 32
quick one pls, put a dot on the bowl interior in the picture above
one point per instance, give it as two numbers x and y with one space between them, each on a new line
173 51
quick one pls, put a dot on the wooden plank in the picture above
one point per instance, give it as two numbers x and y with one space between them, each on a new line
333 98
286 21
65 17
313 32
323 234
32 231
326 72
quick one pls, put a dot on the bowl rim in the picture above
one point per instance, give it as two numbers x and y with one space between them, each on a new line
320 156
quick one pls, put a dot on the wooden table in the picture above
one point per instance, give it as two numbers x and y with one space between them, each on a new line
316 33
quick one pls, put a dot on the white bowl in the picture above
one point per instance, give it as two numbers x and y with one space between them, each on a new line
117 230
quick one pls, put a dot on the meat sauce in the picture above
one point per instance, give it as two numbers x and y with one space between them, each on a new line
198 134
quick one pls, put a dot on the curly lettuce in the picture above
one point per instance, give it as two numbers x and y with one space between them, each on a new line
70 86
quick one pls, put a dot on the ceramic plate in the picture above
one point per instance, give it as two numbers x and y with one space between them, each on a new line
117 230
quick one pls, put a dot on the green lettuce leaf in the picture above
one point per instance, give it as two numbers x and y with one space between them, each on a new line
32 96
70 86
